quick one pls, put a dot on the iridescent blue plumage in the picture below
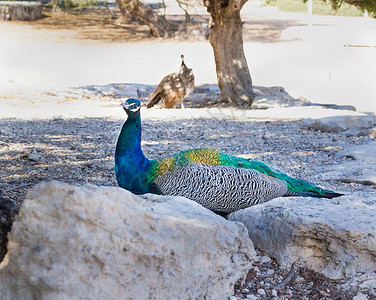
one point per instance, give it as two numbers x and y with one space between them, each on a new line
132 168
218 181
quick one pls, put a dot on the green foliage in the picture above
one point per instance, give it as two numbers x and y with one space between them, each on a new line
67 3
321 7
76 3
369 5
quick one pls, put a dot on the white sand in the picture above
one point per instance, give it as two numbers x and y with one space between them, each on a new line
308 62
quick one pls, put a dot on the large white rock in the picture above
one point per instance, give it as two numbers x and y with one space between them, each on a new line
360 168
92 242
354 122
335 237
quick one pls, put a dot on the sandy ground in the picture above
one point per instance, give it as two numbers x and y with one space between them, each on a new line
309 61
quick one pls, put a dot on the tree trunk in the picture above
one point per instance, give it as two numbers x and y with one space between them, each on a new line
226 38
159 26
20 11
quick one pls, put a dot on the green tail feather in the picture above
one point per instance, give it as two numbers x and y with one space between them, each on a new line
296 187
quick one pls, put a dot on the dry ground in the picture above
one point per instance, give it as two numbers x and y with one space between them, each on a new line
100 24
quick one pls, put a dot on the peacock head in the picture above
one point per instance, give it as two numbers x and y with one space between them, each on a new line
132 107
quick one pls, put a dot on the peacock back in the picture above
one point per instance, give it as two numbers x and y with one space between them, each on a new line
215 180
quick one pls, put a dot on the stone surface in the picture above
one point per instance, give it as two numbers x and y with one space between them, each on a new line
362 283
20 10
93 242
360 167
261 292
355 122
360 296
335 237
265 259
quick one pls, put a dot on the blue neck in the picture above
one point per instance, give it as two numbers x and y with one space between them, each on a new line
132 168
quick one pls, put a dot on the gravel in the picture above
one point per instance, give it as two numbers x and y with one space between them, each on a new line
296 283
78 151
81 150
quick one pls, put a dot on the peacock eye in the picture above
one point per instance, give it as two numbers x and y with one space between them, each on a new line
134 108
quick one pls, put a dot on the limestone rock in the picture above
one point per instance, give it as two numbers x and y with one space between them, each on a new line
360 168
93 242
335 237
353 122
360 296
275 96
362 282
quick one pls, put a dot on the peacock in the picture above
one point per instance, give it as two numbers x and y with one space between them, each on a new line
174 87
218 181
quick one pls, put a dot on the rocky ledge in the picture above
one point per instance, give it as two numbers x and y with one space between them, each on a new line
105 242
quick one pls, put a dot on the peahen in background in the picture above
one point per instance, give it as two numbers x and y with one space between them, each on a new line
217 181
173 88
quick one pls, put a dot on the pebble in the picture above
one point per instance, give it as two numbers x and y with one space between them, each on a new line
274 293
265 259
251 285
261 292
233 298
289 292
33 157
270 272
57 119
360 296
252 297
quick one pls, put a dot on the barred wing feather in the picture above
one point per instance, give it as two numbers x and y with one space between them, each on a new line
221 188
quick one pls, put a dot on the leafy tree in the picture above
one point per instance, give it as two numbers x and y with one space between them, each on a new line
369 5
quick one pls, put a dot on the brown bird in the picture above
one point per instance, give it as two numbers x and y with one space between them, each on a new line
174 87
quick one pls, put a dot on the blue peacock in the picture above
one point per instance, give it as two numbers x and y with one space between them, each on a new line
217 181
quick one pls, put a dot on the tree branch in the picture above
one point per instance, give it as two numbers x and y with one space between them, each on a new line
159 26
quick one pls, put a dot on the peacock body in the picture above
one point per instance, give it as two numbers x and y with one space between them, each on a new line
173 88
217 181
